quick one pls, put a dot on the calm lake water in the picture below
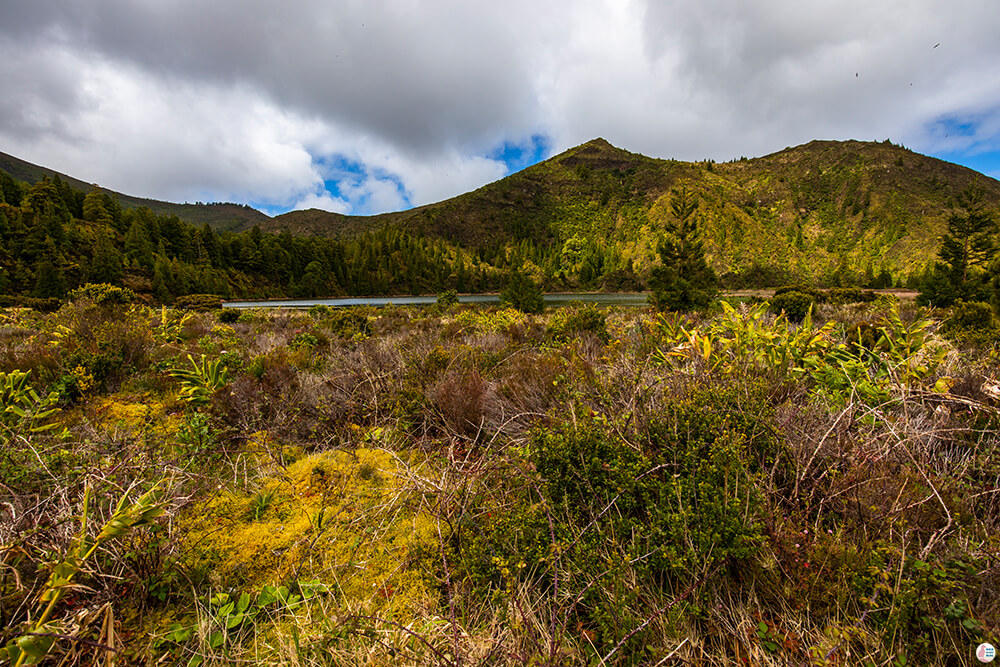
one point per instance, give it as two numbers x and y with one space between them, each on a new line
554 299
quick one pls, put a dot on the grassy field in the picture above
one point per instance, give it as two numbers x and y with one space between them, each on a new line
476 486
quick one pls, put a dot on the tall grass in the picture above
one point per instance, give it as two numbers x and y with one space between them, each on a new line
480 487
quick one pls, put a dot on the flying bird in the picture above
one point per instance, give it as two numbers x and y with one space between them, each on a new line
936 45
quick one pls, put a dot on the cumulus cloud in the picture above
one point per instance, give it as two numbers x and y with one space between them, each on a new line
323 201
361 107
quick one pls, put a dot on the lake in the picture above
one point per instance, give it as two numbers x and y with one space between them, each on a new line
556 299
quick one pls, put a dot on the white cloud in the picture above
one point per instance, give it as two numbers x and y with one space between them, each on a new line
228 100
323 201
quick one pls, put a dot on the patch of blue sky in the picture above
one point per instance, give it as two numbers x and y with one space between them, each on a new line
518 156
268 208
971 140
986 162
339 172
355 182
954 126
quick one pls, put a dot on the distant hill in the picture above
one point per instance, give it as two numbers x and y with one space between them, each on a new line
826 211
218 216
811 210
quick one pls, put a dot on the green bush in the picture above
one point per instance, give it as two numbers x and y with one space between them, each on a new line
664 509
107 337
47 305
229 315
973 322
200 302
318 311
863 338
104 294
845 295
448 298
303 340
348 323
523 293
819 296
793 303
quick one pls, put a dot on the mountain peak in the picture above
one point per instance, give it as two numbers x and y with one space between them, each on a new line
599 153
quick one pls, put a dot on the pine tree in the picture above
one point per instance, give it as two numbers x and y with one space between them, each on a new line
138 247
685 281
523 293
48 281
94 209
162 280
967 249
106 265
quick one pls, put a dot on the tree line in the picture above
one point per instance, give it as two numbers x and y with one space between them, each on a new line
54 238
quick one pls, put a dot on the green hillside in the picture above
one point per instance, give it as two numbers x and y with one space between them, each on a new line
217 216
825 212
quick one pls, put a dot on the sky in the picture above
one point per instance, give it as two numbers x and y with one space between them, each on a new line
362 107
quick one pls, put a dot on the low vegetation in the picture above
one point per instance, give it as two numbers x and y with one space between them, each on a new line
463 485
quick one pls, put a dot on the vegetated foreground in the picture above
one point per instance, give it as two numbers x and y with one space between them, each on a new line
476 486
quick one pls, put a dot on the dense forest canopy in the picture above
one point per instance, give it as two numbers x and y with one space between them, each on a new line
55 238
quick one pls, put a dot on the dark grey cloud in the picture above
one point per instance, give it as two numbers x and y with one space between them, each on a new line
416 74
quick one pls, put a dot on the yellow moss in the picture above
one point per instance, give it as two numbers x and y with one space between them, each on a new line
348 519
143 416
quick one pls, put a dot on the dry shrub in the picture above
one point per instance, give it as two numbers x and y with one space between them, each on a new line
283 402
465 401
363 378
529 382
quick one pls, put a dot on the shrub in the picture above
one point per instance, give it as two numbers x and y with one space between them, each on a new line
793 303
819 296
303 340
349 323
568 322
844 295
229 315
46 305
201 302
862 338
664 509
448 298
103 294
523 293
971 321
318 311
108 339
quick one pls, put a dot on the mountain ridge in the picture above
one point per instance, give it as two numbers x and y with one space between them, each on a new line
810 211
220 216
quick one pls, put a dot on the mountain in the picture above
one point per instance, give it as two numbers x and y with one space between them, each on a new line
829 212
217 216
810 212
